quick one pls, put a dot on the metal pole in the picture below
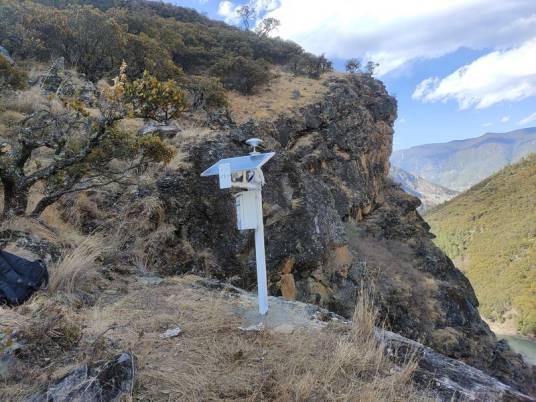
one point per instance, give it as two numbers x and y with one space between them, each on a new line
262 286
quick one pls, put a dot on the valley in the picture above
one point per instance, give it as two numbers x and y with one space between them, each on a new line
458 165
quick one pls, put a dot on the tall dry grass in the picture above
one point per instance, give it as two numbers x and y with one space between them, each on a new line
351 366
77 265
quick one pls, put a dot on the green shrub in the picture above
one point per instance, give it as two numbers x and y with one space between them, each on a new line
11 76
154 99
242 74
206 92
94 36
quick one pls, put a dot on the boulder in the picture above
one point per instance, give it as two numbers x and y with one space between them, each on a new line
161 129
111 380
88 93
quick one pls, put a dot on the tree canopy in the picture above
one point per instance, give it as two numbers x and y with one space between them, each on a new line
95 36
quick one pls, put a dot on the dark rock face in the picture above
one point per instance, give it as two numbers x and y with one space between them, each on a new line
111 380
450 379
334 222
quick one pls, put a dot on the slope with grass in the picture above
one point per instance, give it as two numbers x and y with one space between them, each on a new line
490 232
460 164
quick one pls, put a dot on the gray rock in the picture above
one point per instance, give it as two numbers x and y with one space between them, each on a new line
111 381
296 94
451 379
8 347
160 129
11 240
4 53
151 280
171 333
88 93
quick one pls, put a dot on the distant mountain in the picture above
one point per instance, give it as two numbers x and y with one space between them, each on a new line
490 233
429 193
460 164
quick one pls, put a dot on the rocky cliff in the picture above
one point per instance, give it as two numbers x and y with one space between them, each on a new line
334 223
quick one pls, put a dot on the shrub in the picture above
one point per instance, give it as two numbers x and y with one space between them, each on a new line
309 65
11 76
154 99
206 92
353 66
242 74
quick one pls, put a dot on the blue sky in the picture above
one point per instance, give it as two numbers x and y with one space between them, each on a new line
458 68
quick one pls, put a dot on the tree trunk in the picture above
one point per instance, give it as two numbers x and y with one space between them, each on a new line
43 204
15 199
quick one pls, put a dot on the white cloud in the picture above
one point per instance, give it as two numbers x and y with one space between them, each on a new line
508 75
203 1
505 119
487 124
229 11
528 119
393 32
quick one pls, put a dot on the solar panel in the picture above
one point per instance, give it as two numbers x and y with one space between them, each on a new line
240 163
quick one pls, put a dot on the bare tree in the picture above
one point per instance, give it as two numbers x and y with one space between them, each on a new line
83 152
353 66
247 15
371 67
267 26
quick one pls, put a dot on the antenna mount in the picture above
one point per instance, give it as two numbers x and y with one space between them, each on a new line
254 142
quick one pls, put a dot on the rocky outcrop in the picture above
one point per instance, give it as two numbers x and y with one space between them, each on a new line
334 223
111 380
163 130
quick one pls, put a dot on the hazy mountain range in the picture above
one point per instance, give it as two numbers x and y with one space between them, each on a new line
459 164
429 193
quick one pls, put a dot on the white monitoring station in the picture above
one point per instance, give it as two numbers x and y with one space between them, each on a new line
245 172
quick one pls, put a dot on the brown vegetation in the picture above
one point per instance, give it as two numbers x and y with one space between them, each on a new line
212 359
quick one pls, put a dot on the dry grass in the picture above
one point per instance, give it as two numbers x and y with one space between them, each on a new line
76 266
276 98
212 360
25 101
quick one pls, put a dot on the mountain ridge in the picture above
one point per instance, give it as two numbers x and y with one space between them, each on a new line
458 164
429 193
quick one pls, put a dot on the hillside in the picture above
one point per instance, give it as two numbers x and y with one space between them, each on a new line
429 193
460 164
489 231
100 164
170 42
